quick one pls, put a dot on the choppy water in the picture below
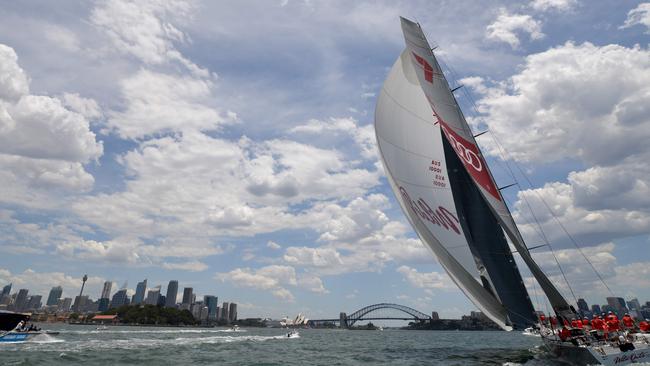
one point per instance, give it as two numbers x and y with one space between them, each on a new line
255 346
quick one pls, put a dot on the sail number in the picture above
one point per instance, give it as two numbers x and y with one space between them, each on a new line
440 216
439 178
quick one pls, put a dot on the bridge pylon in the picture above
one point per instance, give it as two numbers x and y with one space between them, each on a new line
343 320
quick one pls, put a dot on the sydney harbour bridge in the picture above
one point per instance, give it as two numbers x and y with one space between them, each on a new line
383 311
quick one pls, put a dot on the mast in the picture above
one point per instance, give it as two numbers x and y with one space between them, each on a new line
458 134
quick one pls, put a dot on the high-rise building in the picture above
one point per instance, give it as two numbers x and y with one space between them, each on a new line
21 299
595 309
80 303
211 303
195 309
187 295
634 304
140 291
232 316
152 296
6 290
119 298
582 305
106 291
103 304
618 303
172 293
64 304
225 311
54 296
34 303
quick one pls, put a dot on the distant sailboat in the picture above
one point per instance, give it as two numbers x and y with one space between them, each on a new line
449 196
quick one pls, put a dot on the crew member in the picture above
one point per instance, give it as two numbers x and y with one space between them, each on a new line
565 334
644 326
628 322
597 323
585 323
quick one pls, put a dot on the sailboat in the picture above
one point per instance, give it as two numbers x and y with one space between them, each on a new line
449 196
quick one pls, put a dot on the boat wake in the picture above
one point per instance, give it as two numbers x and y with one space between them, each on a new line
154 331
138 343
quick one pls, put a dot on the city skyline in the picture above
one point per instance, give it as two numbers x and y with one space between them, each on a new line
183 140
209 310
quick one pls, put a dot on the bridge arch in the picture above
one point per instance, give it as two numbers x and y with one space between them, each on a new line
361 313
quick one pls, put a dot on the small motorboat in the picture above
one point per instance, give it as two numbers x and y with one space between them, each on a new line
17 337
102 327
293 334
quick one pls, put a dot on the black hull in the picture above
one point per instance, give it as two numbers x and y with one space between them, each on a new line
572 354
9 320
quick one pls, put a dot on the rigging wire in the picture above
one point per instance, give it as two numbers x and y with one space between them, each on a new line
522 173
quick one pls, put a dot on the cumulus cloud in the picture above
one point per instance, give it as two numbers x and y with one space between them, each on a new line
639 15
275 279
191 266
507 27
627 280
193 183
145 30
426 280
363 136
355 237
542 114
158 103
42 282
43 144
558 5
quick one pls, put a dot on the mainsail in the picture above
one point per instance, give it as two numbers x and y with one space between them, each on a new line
446 189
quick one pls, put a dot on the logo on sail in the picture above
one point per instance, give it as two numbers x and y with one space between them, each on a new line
468 153
441 216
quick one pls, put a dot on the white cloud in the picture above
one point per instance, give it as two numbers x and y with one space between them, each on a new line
13 82
62 37
144 29
158 103
628 280
588 225
363 136
191 266
639 15
559 5
315 257
426 280
571 102
507 26
193 183
274 278
43 145
273 245
542 113
41 282
85 106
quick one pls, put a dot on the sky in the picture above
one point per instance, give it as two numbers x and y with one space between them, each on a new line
230 146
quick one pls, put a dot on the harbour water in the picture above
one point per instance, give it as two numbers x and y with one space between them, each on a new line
262 346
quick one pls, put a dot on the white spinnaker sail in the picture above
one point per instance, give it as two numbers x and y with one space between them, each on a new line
448 114
410 145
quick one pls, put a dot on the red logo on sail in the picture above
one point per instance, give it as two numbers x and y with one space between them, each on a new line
440 216
428 70
469 155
